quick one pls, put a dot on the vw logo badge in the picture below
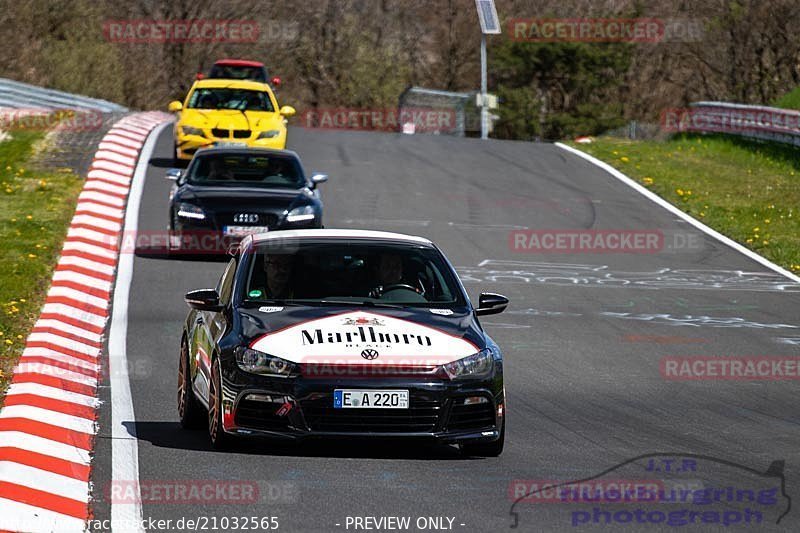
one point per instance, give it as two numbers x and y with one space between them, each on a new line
369 354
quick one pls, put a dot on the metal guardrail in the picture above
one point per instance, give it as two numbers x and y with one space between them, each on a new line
18 95
754 122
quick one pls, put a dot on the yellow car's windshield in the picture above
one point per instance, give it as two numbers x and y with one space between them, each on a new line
226 98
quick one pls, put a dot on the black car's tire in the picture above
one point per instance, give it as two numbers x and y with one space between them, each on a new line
190 412
486 449
219 439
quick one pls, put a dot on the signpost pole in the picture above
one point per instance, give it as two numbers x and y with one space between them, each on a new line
484 83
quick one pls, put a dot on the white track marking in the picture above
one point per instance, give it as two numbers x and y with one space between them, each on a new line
22 517
39 479
33 443
52 393
73 312
672 209
74 423
124 447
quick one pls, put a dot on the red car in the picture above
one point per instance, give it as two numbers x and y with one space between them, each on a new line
241 69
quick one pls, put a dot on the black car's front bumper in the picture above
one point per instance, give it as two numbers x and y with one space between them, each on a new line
296 408
208 238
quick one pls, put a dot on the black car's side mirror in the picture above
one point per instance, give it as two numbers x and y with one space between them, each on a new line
203 300
316 179
491 304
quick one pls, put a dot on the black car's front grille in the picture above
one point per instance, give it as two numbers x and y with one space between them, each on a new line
241 134
260 415
264 219
421 417
474 416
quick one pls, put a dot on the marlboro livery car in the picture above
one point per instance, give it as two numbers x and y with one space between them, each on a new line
342 333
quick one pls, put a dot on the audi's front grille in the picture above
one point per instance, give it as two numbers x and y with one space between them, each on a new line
421 417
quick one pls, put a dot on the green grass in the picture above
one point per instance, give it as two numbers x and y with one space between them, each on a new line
35 210
746 190
790 100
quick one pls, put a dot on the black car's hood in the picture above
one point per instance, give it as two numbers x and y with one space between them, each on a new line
268 198
340 335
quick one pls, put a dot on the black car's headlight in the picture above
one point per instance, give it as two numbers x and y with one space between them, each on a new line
264 364
476 365
301 214
188 130
191 211
269 134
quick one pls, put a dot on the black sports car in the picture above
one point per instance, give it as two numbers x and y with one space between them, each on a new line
227 193
342 333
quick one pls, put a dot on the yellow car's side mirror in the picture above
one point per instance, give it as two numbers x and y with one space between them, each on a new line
175 106
288 111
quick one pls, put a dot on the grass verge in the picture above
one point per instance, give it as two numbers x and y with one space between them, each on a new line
35 210
746 190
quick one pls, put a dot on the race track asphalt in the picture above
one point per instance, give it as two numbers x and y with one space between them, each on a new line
582 341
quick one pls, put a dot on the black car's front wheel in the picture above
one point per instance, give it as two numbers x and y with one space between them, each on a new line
189 409
219 439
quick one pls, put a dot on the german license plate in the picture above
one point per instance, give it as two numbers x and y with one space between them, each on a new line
239 231
224 144
370 399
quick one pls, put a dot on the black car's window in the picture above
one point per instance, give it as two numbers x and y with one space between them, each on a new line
226 98
351 271
274 171
225 285
238 73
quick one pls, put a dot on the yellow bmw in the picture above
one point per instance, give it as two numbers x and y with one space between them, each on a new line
229 113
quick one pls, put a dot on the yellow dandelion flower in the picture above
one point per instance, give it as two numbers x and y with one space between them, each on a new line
19 336
9 341
22 300
679 191
31 256
624 159
29 217
766 221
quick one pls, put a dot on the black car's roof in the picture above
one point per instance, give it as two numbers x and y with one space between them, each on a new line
317 234
246 151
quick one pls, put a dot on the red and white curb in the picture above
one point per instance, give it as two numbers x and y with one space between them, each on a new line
48 423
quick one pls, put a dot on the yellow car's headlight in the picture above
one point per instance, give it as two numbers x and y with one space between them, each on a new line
189 130
269 134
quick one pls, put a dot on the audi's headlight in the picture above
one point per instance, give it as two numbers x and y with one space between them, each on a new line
269 134
264 364
188 130
474 366
301 214
191 211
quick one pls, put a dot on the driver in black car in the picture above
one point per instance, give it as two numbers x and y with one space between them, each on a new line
278 269
390 276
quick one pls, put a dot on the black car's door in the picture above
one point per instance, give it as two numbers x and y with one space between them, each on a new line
209 326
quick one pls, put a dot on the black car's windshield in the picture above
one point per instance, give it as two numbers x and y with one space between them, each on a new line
238 73
228 98
353 272
262 170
